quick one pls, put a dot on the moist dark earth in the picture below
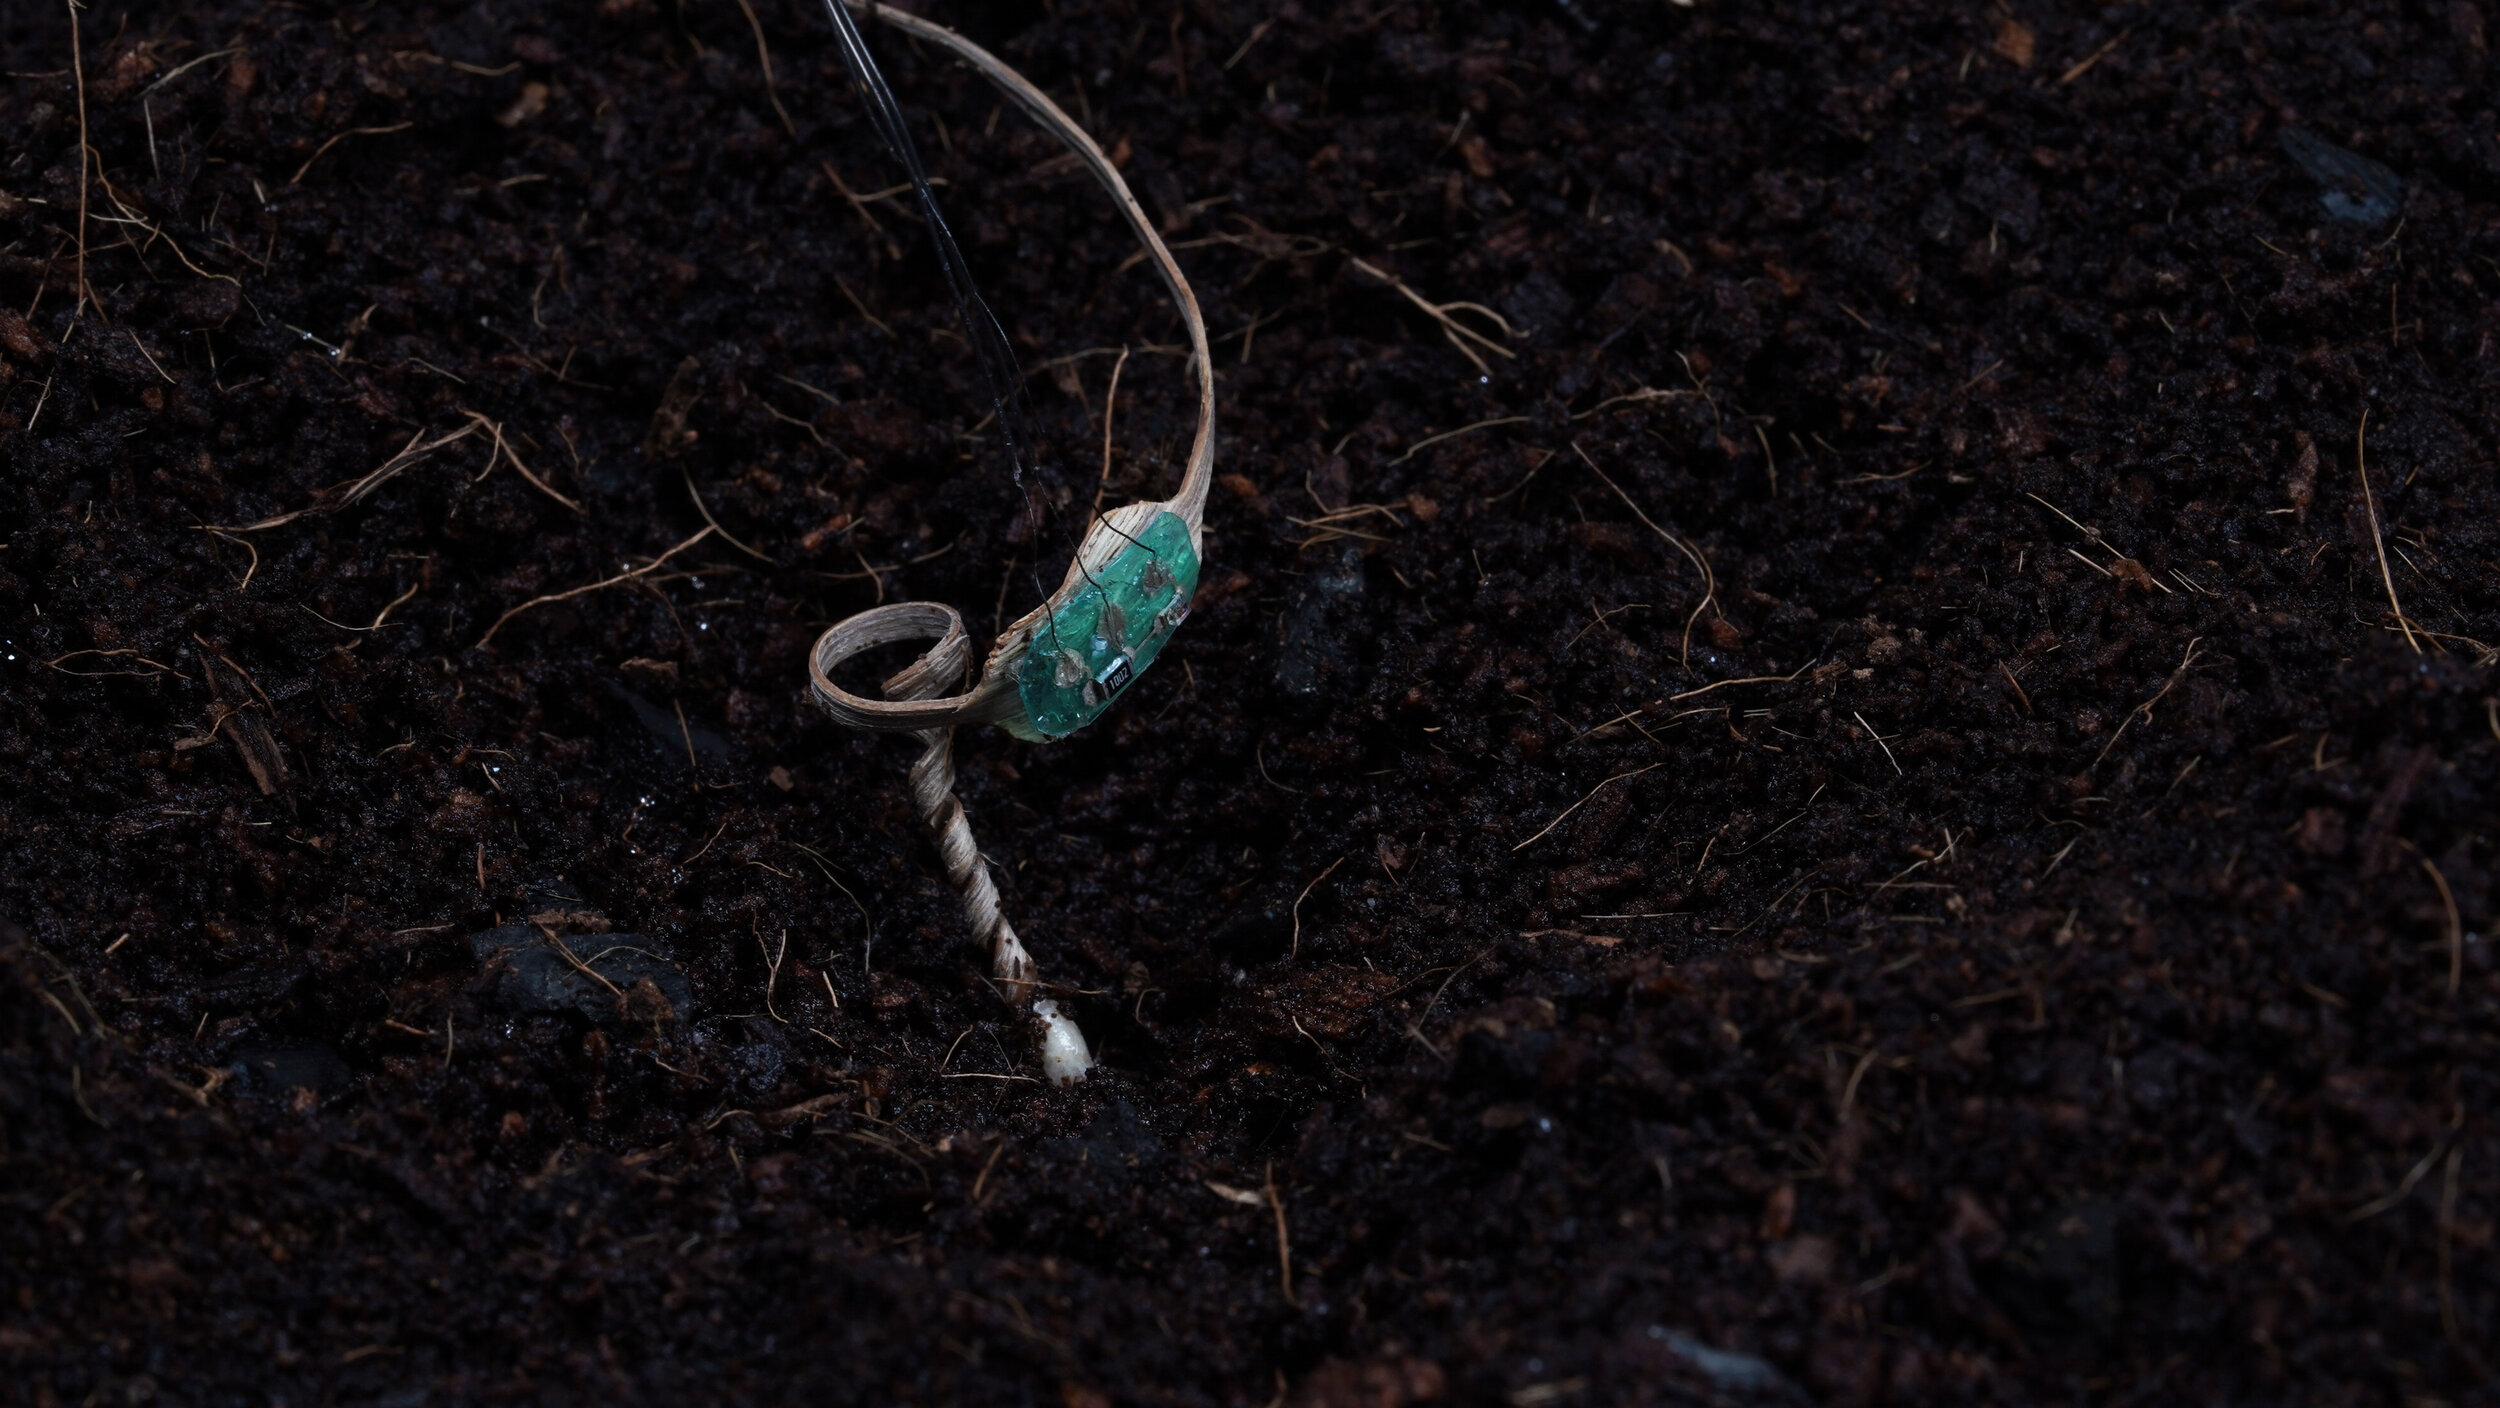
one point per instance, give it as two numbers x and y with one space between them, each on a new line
1879 788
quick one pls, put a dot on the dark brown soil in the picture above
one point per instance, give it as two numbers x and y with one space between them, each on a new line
2052 965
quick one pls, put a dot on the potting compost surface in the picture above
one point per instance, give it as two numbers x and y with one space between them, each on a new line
1838 743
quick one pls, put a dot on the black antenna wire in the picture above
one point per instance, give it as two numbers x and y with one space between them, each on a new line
981 327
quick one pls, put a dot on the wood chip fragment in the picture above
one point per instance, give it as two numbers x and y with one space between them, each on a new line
2015 42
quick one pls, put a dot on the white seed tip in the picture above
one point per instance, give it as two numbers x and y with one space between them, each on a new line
1065 1057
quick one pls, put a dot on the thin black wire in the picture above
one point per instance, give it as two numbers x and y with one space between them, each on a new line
981 327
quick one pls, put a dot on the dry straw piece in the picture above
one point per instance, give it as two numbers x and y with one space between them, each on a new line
1061 664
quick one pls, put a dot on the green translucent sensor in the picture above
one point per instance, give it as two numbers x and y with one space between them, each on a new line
1108 632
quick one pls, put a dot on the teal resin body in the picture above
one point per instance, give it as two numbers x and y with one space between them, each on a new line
1085 653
